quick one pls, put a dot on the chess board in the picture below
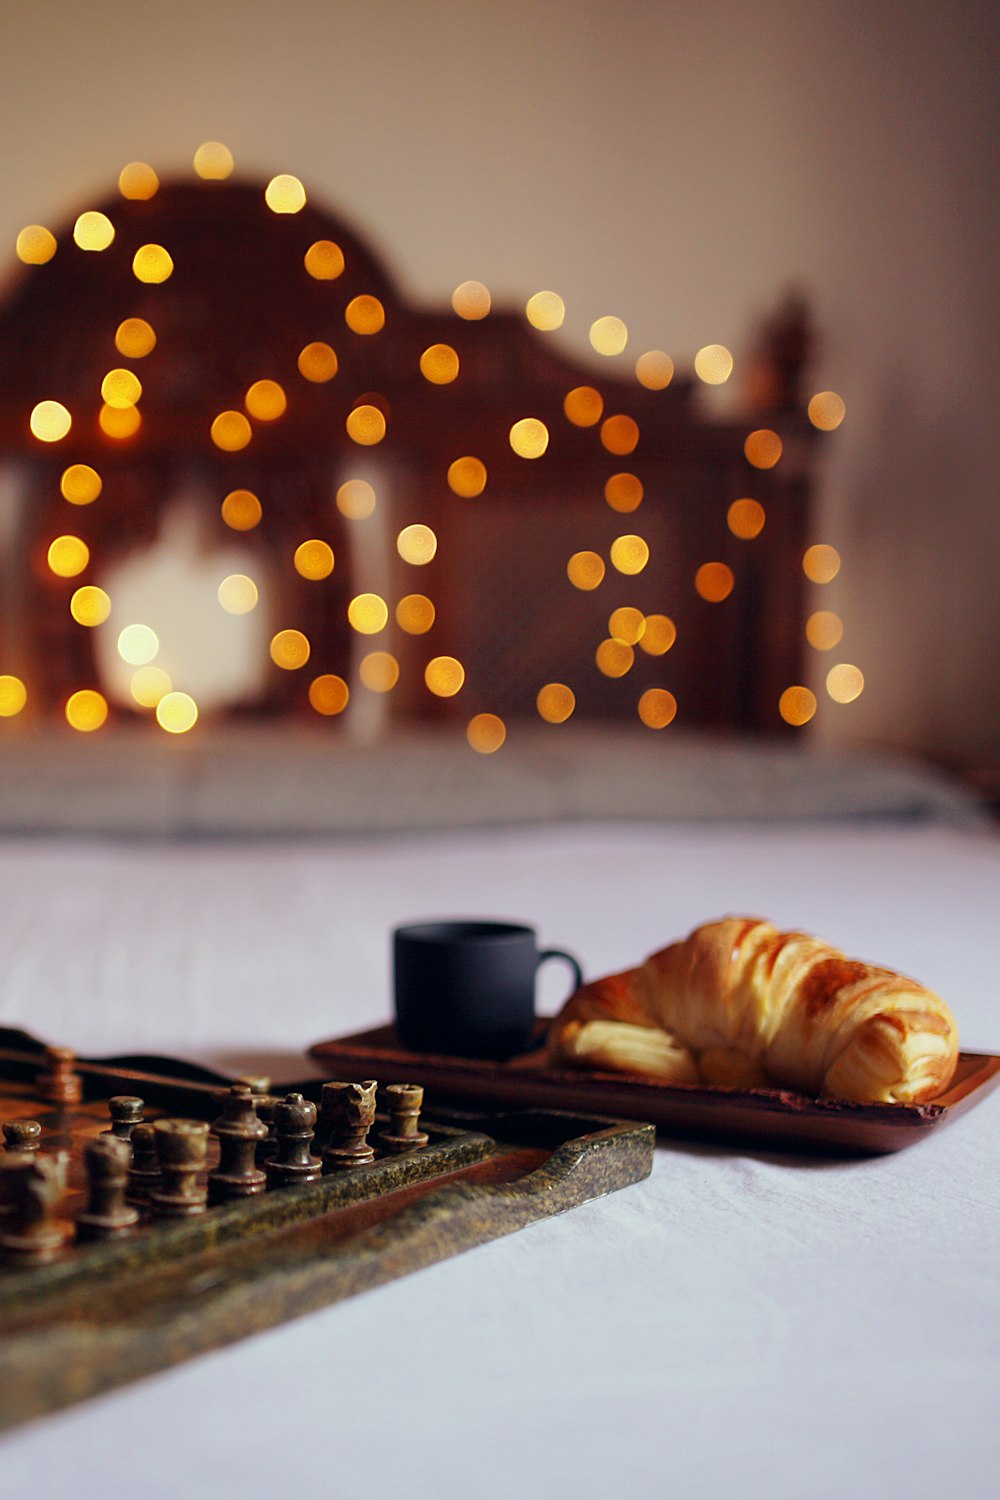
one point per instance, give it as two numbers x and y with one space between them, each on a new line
92 1314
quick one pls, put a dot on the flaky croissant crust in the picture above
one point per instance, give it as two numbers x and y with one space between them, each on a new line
738 1002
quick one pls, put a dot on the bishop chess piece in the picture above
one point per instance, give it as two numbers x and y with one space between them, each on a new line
126 1112
295 1121
32 1187
144 1173
239 1132
404 1133
22 1135
107 1216
348 1111
58 1082
181 1146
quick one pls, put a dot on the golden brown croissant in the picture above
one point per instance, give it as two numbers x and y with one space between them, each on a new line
738 1002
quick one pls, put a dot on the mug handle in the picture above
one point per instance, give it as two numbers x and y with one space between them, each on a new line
567 958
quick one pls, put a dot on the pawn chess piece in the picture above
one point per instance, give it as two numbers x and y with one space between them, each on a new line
404 1101
181 1146
58 1082
239 1132
144 1173
22 1135
295 1121
126 1113
107 1216
32 1187
348 1112
265 1105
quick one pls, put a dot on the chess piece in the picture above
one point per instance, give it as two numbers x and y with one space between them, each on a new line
239 1132
181 1146
126 1113
265 1105
404 1101
32 1187
58 1082
144 1174
22 1135
106 1160
348 1111
295 1120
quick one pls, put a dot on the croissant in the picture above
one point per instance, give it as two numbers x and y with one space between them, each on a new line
738 1002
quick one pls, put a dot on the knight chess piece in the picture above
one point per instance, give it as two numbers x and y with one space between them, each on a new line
239 1131
107 1216
32 1187
144 1173
22 1135
295 1121
181 1146
404 1134
348 1111
58 1082
126 1112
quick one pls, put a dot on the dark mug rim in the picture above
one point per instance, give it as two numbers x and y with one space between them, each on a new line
464 930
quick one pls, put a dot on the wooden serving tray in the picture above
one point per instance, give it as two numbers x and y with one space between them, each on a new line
777 1118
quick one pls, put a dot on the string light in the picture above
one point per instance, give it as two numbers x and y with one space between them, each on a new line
366 426
86 710
620 435
290 650
285 194
471 301
614 658
80 484
68 556
329 694
152 264
368 614
486 733
50 421
119 422
629 554
797 705
745 519
13 696
241 510
137 645
824 630
545 311
317 362
231 431
654 370
35 245
213 161
657 708
266 401
238 594
149 685
584 406
529 437
135 338
379 671
585 570
365 315
177 713
415 614
138 181
763 448
624 492
608 336
355 499
467 477
416 544
314 559
821 563
627 624
439 364
93 231
555 702
714 581
324 260
90 605
826 410
444 676
121 388
845 682
713 364
659 635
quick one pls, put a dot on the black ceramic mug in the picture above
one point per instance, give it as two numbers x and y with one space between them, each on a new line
467 989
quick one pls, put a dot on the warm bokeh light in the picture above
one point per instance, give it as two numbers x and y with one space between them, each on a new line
745 519
314 559
13 696
152 264
290 650
135 338
629 554
241 510
137 645
379 671
439 364
90 605
620 435
714 581
821 563
797 705
713 364
585 570
471 301
121 388
555 702
654 370
657 708
659 635
119 422
824 630
366 426
50 421
364 314
355 499
415 614
86 710
93 231
444 676
826 410
584 406
614 658
545 311
231 431
416 544
608 336
486 733
763 448
149 685
368 613
317 362
329 694
238 594
177 713
138 181
285 194
80 484
68 556
324 260
213 161
845 682
467 477
624 492
266 401
627 624
529 437
35 245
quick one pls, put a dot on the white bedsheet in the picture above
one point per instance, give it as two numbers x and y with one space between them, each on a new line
743 1319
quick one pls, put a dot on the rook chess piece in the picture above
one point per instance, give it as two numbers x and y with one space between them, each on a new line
239 1132
107 1216
57 1081
144 1174
31 1190
348 1112
404 1101
126 1113
295 1120
181 1146
22 1135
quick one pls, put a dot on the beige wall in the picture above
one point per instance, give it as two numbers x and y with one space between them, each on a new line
674 163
